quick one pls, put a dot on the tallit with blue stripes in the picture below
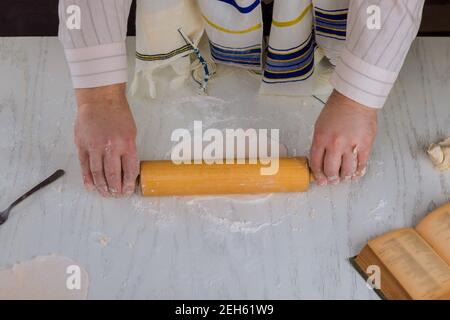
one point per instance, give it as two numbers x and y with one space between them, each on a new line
235 33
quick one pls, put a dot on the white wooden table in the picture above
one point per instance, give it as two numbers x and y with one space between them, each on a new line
272 246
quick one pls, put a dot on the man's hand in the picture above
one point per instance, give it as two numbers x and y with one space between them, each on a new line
343 137
105 135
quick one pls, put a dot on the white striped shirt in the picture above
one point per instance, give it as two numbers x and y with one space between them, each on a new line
366 71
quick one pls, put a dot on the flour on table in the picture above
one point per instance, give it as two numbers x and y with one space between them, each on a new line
379 212
103 240
44 277
202 101
381 205
439 154
246 199
238 226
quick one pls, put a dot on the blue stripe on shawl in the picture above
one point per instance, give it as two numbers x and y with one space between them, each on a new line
331 23
292 66
328 26
288 81
237 62
292 63
289 75
244 56
235 58
333 32
287 67
337 24
331 37
243 10
233 48
335 10
331 16
235 51
293 55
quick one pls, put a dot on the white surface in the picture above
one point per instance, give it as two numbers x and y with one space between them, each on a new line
269 246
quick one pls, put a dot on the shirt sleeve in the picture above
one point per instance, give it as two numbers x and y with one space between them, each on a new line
96 52
372 58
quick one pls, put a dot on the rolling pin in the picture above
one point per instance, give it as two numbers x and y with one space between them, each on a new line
165 178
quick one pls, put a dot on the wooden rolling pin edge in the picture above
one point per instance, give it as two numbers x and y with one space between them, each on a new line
155 186
311 175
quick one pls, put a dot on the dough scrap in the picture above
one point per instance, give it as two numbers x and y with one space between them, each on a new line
439 154
44 277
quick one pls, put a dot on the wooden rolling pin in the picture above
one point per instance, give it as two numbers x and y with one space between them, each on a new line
164 178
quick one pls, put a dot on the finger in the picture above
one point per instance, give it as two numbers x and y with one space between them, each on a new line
113 173
85 170
363 158
96 165
130 164
349 164
332 164
316 163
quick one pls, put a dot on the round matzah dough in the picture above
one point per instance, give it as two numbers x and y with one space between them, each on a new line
43 278
439 154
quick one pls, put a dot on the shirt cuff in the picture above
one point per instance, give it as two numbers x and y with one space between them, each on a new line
98 66
363 82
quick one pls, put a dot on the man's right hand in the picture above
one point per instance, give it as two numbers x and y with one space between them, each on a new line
105 136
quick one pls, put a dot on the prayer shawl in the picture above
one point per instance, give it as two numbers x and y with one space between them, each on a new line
234 29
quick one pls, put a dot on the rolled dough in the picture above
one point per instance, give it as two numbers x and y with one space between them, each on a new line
44 277
439 153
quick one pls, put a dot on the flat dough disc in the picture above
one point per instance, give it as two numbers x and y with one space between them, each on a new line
439 154
44 277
